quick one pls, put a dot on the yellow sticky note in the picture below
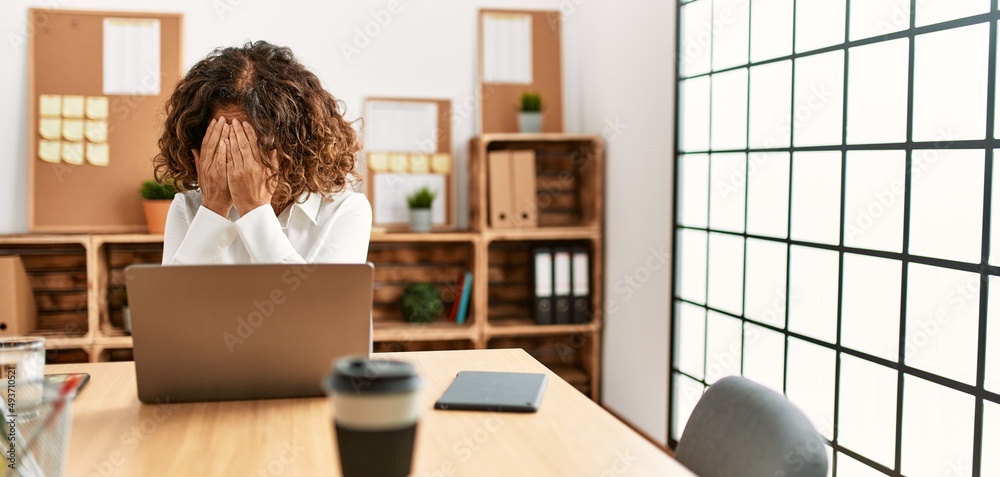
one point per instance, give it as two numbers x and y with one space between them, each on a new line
48 151
72 129
50 128
378 161
441 163
420 163
398 163
96 131
72 153
50 105
97 107
97 154
72 106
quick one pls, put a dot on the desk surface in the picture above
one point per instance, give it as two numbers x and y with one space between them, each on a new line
114 435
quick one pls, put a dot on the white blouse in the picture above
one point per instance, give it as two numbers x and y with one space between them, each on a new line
312 230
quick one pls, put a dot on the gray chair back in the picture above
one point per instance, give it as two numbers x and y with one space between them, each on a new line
741 428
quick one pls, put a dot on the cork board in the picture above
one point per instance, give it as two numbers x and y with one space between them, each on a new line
443 147
501 101
66 57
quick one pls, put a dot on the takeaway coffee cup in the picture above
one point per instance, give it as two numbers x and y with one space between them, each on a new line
376 405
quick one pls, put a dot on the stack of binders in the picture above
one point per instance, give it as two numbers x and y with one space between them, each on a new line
562 286
513 195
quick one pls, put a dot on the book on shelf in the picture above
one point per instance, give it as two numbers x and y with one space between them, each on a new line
463 307
453 314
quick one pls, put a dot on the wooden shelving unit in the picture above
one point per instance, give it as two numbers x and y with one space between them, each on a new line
75 276
570 208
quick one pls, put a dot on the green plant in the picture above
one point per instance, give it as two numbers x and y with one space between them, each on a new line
421 302
531 103
422 198
153 190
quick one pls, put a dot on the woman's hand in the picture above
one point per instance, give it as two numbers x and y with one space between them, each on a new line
210 162
248 176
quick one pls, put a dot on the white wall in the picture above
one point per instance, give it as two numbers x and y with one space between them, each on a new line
618 69
620 73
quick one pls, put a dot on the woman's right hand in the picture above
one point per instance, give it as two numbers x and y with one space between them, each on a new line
210 162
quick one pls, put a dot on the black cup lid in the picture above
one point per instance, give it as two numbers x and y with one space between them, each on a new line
361 375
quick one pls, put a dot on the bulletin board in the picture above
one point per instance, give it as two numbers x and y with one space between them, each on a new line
66 58
500 100
394 167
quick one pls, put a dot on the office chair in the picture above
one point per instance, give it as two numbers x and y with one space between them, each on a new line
741 428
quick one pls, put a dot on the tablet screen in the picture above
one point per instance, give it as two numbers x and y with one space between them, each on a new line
494 391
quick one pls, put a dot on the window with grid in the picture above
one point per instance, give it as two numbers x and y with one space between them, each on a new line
834 207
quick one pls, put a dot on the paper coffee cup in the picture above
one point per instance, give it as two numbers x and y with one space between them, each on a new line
376 406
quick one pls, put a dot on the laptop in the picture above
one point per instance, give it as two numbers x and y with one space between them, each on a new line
217 333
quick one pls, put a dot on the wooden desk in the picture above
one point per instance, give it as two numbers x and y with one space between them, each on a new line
114 435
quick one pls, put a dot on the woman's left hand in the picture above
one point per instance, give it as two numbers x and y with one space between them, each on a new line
248 176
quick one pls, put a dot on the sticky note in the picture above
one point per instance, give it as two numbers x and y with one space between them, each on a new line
72 153
72 129
72 106
48 151
398 163
378 161
50 105
50 128
96 131
97 154
441 163
420 163
97 107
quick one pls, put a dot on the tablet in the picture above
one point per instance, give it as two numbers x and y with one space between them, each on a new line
493 391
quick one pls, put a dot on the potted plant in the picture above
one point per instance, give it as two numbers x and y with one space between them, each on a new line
420 202
421 302
156 203
530 119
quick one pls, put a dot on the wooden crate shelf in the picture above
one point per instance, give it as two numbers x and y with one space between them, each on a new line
511 294
399 264
574 356
527 327
67 355
441 345
438 331
113 255
58 271
81 273
569 178
433 237
569 199
541 234
114 354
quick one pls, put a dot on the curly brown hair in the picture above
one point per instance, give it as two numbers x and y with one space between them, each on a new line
286 105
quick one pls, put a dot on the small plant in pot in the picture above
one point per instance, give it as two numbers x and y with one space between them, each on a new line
156 203
420 202
421 302
530 119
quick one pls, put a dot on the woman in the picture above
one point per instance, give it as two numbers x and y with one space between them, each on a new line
264 159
